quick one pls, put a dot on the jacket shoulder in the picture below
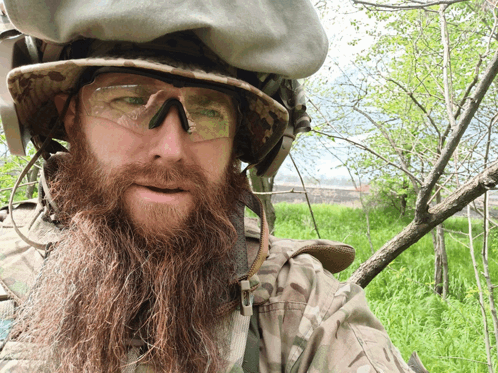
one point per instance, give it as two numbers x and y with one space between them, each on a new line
311 322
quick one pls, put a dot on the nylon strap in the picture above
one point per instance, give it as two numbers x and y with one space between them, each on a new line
251 355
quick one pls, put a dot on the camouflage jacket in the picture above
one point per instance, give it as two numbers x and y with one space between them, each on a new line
310 322
306 319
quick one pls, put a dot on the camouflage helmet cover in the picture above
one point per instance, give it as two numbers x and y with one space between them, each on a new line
271 37
181 54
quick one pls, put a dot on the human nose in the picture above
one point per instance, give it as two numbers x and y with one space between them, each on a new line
168 138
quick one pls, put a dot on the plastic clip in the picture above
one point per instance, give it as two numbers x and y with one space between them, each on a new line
246 298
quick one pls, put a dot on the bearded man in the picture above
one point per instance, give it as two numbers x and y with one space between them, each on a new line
136 256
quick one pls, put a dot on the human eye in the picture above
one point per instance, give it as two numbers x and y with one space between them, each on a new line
210 113
122 95
207 109
130 100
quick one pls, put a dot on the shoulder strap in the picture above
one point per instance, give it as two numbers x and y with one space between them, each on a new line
251 355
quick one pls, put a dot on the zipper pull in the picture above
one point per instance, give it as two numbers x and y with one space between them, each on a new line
246 298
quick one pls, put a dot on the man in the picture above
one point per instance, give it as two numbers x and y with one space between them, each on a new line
137 257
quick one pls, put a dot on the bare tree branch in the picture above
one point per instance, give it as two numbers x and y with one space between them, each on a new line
408 6
447 83
363 207
481 296
471 107
460 358
27 184
485 244
467 91
476 187
306 194
402 159
418 104
361 146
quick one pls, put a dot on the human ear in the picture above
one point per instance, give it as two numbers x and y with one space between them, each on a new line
60 101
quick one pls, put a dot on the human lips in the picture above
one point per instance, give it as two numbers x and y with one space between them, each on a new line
164 187
161 193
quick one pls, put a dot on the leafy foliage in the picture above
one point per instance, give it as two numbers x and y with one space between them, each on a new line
10 168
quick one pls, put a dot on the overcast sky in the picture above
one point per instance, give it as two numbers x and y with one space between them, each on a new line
337 23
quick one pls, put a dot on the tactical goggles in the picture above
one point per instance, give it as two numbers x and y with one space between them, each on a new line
139 102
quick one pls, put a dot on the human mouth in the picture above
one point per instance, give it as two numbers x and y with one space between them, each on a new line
170 194
164 190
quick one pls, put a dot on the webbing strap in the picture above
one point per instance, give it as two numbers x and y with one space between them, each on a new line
251 355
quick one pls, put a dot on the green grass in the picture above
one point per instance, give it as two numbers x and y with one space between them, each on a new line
446 334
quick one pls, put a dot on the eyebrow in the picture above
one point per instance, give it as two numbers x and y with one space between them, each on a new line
208 99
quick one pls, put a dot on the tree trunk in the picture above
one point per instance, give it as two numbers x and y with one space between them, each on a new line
441 281
422 225
32 176
404 198
438 273
264 184
403 203
440 259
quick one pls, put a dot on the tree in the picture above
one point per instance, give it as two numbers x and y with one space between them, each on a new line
420 102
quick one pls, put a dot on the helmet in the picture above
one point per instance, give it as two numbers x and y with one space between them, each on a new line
259 48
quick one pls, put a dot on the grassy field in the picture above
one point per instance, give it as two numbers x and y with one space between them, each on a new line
447 334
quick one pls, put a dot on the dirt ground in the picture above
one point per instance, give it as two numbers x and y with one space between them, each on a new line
334 196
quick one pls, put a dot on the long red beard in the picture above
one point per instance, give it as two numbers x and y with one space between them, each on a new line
109 281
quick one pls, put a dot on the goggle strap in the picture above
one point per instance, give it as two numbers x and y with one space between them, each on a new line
159 117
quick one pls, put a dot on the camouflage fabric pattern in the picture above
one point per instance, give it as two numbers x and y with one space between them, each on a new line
33 88
308 320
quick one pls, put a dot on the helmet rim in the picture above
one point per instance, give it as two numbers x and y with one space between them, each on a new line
33 88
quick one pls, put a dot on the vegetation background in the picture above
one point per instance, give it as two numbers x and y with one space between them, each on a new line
446 333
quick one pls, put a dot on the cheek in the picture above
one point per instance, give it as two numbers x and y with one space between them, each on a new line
111 145
213 156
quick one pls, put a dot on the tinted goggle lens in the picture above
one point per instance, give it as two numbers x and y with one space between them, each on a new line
141 103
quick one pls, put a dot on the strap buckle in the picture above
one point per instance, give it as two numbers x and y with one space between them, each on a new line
246 298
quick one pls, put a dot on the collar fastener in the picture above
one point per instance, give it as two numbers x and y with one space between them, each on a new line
246 298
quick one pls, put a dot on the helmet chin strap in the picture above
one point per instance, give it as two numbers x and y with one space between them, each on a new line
245 270
25 171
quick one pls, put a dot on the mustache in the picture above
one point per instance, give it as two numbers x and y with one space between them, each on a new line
102 190
176 176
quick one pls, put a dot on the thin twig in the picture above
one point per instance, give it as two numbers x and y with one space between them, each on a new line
486 237
306 194
447 76
487 277
394 146
420 5
361 146
363 207
417 103
30 183
481 295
